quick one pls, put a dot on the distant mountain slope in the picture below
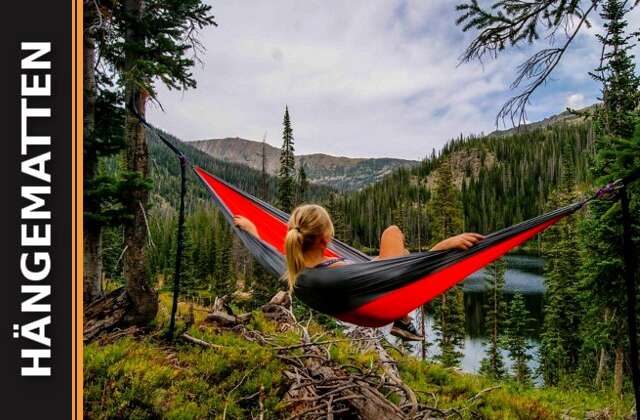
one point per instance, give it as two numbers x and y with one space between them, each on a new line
165 173
565 117
342 173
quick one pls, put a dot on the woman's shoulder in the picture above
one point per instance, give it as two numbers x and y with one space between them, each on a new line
334 262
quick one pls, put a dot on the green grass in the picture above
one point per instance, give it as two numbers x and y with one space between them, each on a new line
143 379
146 378
446 388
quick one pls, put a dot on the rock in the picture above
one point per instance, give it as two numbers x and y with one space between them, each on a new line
281 298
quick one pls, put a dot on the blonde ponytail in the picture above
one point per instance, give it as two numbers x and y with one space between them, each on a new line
295 256
306 224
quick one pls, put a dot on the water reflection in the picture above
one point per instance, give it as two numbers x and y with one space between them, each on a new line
524 274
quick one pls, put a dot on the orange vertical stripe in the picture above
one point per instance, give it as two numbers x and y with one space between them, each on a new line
73 209
76 222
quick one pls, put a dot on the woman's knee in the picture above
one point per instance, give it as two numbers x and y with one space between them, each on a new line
392 243
392 230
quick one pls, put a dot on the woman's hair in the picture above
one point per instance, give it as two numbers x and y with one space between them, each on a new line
307 224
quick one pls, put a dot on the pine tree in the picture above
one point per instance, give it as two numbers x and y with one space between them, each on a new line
146 42
104 193
399 217
286 182
445 206
223 279
617 152
263 172
493 365
200 248
302 185
334 206
516 332
103 139
560 339
446 218
449 326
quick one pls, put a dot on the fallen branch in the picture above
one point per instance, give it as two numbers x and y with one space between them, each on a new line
226 402
261 403
318 343
484 391
201 342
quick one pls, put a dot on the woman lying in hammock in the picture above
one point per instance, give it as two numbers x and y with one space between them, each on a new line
310 231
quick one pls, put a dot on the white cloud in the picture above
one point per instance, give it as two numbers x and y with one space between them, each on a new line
360 78
575 101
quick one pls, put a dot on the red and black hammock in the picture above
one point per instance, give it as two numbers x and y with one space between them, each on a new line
370 292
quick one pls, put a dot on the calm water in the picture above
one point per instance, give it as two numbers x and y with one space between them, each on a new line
524 274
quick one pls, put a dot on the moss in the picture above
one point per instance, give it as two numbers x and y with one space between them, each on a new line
149 379
145 379
450 389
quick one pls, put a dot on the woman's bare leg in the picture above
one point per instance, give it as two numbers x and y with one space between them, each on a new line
392 243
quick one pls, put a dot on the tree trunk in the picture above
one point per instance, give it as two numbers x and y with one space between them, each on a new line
142 295
92 262
92 230
602 365
602 362
617 382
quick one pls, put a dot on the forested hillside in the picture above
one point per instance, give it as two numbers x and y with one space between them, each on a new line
503 179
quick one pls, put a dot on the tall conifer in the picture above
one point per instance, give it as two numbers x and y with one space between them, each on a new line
617 153
302 185
516 332
493 365
560 340
446 219
145 42
286 174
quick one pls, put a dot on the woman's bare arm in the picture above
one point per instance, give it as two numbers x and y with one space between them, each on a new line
463 241
246 224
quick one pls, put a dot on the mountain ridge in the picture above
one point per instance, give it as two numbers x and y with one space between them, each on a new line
340 172
567 116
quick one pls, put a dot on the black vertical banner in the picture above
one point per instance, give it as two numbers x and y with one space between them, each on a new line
35 220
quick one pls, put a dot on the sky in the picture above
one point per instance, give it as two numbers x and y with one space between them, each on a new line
360 78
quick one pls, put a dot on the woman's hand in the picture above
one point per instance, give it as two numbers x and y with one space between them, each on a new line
463 241
246 224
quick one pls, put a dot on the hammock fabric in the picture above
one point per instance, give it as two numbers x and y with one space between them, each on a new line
369 292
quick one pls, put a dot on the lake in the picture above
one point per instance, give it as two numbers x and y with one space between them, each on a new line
524 274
